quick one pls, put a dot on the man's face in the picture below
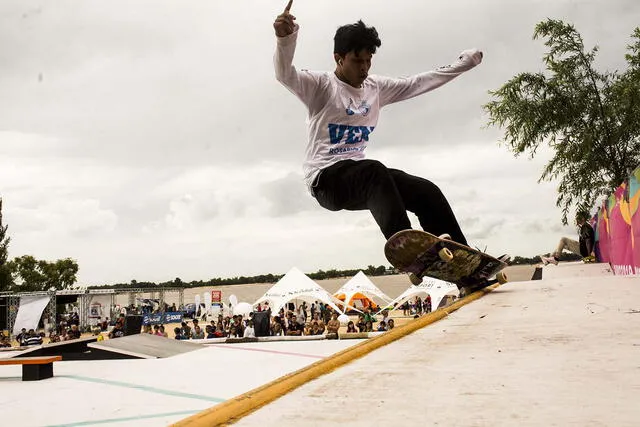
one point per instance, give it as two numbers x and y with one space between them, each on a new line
355 66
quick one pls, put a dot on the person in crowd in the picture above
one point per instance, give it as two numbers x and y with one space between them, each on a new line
4 341
427 304
315 328
369 316
219 331
163 333
351 328
53 336
333 325
74 332
22 337
185 330
294 328
197 333
117 331
308 329
33 338
249 331
385 316
382 327
179 335
405 308
276 326
104 325
390 324
368 326
239 324
361 323
209 332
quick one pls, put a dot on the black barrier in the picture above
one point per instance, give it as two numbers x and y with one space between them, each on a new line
261 321
132 324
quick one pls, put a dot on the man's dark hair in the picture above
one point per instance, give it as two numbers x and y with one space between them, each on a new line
356 37
583 215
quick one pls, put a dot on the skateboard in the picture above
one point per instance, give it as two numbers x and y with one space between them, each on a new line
589 259
422 254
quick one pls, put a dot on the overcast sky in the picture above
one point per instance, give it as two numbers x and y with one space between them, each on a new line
149 140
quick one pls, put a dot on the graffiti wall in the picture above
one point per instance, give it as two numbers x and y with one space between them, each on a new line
617 226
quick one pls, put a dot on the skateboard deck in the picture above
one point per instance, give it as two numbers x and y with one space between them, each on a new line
423 254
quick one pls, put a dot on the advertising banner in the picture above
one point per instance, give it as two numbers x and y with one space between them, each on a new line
162 318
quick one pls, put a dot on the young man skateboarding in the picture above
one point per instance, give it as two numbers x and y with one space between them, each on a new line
343 108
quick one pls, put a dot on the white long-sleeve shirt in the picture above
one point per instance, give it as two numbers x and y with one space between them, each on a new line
341 117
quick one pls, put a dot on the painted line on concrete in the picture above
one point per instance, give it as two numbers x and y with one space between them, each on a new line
288 353
144 388
234 409
123 419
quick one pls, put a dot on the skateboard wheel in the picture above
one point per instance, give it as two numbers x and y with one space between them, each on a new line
502 277
445 254
415 279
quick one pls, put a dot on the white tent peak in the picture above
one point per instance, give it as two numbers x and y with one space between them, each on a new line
295 285
360 283
436 288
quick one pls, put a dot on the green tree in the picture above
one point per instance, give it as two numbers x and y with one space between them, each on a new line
589 118
36 275
6 280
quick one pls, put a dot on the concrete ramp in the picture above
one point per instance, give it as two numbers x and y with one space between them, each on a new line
575 269
69 350
544 352
143 346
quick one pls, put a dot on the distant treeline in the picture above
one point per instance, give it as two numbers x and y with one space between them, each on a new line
241 280
273 278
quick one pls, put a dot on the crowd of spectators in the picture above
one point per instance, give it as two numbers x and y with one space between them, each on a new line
291 320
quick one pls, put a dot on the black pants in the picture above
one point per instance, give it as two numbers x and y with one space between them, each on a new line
388 194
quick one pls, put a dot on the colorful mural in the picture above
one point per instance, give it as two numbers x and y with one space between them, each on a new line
617 226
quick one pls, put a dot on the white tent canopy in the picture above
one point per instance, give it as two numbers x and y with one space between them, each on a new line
437 289
360 283
295 285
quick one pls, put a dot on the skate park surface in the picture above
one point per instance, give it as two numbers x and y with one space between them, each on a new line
563 350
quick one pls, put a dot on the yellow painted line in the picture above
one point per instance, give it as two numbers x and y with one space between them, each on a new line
234 409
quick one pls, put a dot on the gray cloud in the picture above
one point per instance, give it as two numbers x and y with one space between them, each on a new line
134 133
288 196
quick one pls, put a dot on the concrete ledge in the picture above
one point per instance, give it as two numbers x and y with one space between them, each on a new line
240 406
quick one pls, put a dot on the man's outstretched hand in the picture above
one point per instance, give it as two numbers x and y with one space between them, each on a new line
284 24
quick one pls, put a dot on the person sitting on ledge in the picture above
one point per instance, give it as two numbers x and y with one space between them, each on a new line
584 247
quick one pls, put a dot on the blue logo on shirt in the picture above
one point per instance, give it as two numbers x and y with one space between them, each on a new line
362 109
354 134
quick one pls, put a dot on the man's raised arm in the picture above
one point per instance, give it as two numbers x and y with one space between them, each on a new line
302 84
394 90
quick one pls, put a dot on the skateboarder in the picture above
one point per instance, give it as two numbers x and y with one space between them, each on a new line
343 108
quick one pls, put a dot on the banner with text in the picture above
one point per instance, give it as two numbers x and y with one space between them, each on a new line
162 318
